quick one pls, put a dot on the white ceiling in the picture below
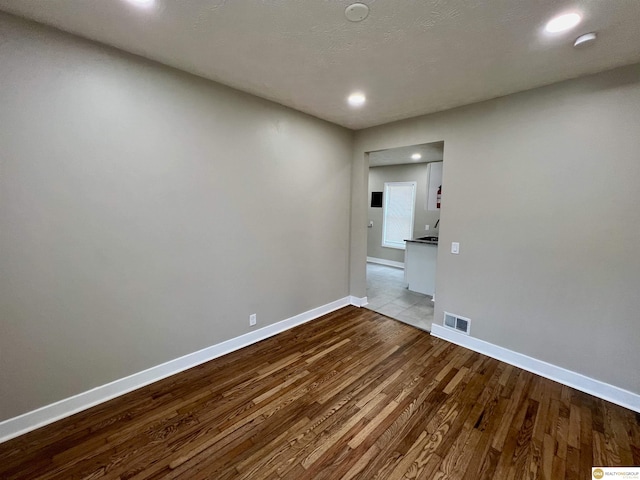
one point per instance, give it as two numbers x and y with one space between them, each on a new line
410 57
430 152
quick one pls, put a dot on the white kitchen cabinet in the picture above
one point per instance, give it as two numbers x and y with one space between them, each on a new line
420 266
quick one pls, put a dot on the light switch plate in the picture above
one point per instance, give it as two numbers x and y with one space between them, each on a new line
455 248
426 227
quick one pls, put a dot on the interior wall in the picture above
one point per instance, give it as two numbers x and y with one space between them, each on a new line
541 190
146 213
416 172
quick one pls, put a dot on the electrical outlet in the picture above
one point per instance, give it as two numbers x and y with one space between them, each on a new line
426 227
252 319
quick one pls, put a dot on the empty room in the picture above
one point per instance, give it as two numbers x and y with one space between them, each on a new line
188 214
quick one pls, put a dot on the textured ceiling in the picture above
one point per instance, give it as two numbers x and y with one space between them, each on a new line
431 152
410 57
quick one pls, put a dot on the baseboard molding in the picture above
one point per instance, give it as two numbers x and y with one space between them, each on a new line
599 389
382 261
358 301
29 421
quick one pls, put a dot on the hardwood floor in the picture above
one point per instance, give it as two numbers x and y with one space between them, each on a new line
353 395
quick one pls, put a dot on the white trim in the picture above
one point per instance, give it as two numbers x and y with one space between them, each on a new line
358 301
566 377
382 261
29 421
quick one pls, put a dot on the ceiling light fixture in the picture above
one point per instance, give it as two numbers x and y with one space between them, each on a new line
142 3
562 23
585 40
357 99
416 156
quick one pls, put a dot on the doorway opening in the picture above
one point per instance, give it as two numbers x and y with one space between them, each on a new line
404 226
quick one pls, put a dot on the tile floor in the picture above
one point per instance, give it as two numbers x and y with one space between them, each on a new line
388 294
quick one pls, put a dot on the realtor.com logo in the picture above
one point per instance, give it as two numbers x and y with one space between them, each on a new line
619 473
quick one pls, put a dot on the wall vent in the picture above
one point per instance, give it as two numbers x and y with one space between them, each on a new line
458 323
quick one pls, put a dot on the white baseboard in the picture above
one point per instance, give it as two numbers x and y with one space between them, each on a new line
29 421
599 389
382 261
359 301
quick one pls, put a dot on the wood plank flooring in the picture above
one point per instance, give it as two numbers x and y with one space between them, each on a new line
353 395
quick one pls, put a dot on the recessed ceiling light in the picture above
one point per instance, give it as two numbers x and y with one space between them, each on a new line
563 23
142 3
357 99
416 156
584 40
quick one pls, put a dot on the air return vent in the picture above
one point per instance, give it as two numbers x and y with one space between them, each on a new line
461 324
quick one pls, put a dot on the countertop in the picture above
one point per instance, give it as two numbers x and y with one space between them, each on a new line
420 240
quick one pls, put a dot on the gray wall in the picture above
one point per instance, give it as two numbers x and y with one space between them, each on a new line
145 213
398 173
542 190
